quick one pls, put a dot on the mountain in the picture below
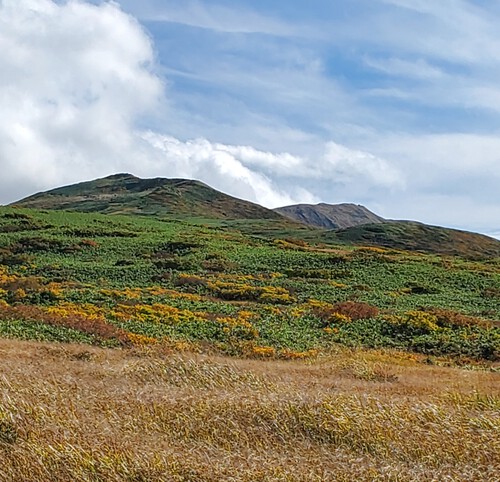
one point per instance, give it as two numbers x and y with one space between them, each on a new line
351 223
330 216
413 236
127 194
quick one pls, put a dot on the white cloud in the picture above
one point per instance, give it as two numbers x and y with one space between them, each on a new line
75 78
353 166
443 157
216 165
283 163
203 15
450 30
272 179
419 68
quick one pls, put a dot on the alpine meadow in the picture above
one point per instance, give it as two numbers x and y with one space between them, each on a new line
249 241
170 347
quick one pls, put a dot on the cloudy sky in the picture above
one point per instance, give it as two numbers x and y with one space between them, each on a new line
394 104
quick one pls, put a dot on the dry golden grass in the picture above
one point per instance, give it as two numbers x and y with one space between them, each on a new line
74 413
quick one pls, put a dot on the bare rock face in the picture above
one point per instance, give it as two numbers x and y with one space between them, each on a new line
330 216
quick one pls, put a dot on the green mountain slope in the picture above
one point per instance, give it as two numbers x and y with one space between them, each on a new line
135 280
127 194
413 236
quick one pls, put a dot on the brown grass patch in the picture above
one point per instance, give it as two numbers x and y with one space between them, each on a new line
77 413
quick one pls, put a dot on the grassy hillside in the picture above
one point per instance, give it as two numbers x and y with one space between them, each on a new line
125 280
127 194
415 236
76 413
182 198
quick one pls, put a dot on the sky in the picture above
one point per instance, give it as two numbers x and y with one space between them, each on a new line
393 104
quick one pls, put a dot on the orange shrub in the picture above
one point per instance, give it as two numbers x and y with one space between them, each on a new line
141 340
297 355
263 351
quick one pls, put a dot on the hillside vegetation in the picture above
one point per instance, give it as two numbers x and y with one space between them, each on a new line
127 194
123 281
185 198
415 236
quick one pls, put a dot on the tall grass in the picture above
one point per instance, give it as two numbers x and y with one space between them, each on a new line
70 412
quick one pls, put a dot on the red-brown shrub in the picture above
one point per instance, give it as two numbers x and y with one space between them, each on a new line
356 310
453 318
92 325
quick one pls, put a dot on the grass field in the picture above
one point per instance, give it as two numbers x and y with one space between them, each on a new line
71 412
